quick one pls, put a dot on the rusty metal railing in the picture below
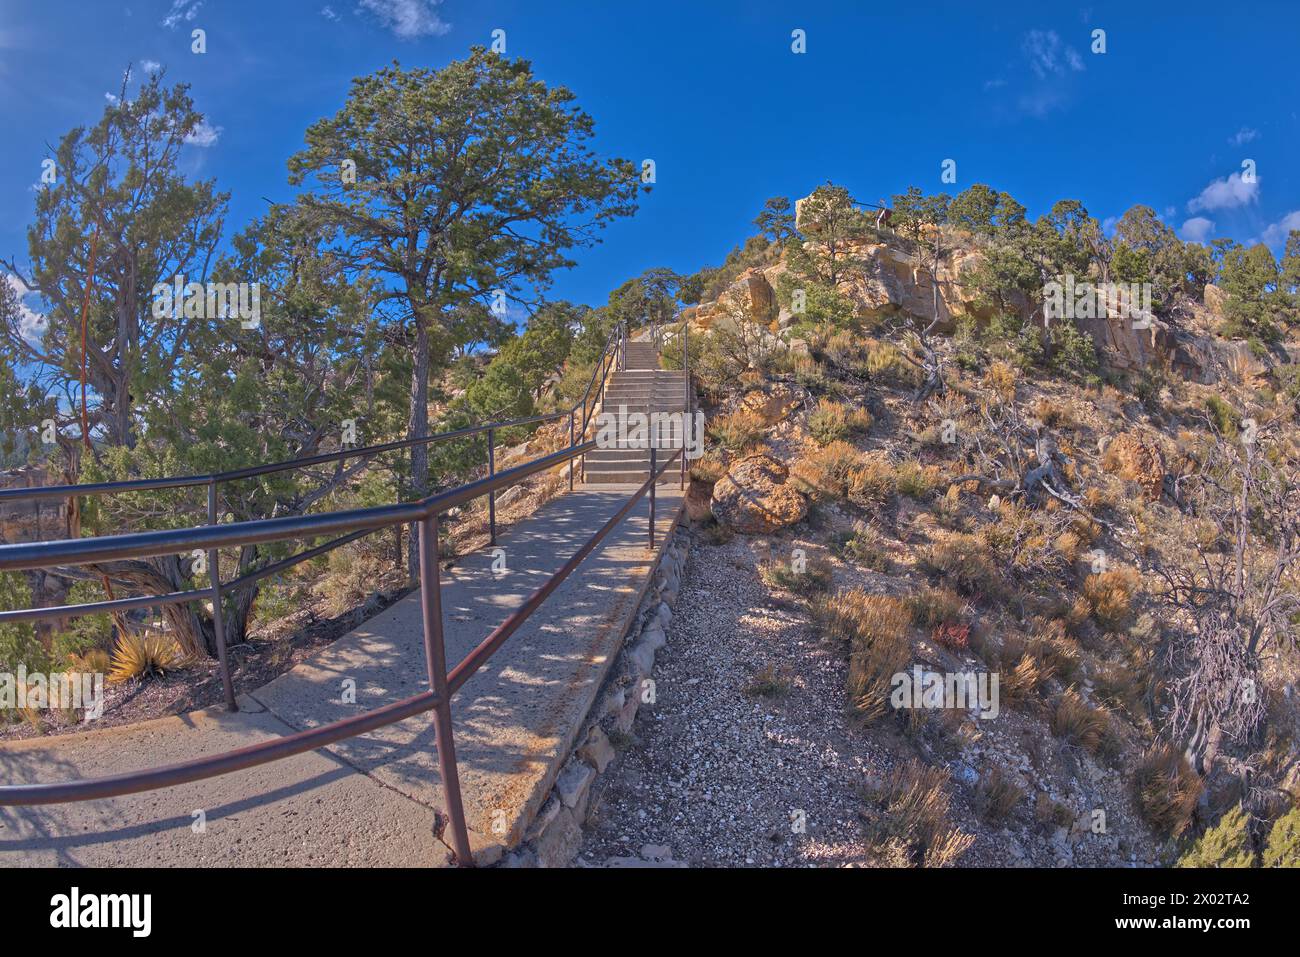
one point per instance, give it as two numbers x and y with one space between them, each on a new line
611 359
442 684
348 526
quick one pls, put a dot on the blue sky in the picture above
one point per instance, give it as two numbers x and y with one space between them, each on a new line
712 92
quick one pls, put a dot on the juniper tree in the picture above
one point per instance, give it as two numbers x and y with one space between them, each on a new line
468 183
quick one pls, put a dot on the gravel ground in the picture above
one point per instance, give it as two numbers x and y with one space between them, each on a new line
723 774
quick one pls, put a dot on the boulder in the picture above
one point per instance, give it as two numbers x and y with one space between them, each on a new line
754 496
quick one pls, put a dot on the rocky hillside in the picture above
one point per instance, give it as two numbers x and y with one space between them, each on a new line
1053 520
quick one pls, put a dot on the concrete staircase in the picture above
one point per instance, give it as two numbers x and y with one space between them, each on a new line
640 386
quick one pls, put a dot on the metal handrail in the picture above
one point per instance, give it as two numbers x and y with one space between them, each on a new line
353 524
611 354
442 683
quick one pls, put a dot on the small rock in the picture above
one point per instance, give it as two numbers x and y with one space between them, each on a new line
597 750
574 782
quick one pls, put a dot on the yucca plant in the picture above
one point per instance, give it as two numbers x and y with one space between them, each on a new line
149 654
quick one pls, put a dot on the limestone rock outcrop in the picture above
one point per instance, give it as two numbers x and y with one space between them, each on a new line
754 496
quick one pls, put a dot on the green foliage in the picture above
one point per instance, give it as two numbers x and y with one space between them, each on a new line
776 221
1073 352
1227 844
1256 301
1223 416
830 224
822 303
1283 847
18 642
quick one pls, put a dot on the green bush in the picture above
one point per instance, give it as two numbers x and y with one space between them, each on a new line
1283 847
1227 844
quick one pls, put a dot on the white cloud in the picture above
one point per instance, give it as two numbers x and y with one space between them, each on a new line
185 10
1243 136
408 19
1276 234
31 324
150 66
1197 229
204 135
1048 56
328 12
1226 193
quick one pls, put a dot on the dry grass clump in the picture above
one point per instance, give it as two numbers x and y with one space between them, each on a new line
827 472
1053 414
1166 789
863 546
737 431
872 481
1082 725
931 607
140 655
1135 460
1024 680
915 480
997 795
907 819
876 629
804 576
1108 597
965 562
1001 378
709 467
885 359
770 681
833 420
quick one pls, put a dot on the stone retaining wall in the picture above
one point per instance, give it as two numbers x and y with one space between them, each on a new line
555 835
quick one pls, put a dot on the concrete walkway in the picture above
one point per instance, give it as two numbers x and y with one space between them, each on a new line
370 800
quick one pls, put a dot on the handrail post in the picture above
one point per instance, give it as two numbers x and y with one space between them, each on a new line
571 411
686 400
492 495
584 437
654 480
218 623
435 657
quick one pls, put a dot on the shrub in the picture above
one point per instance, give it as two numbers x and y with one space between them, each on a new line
915 480
872 481
769 681
1001 378
1223 415
827 472
876 629
1227 844
144 655
909 819
837 420
709 467
932 607
1109 597
863 546
997 795
738 430
1283 847
811 577
1081 724
965 562
1166 790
